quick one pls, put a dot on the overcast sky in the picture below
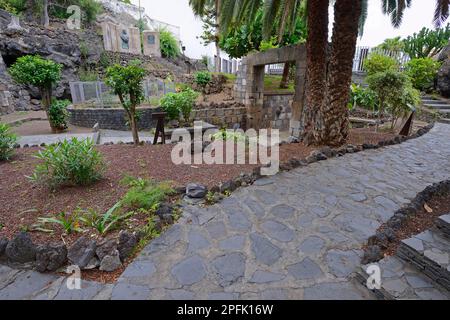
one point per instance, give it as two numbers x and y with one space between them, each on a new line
378 26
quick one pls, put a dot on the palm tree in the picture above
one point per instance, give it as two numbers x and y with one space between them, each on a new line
396 8
334 111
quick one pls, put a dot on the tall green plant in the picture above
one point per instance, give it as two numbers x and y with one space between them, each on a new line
38 72
126 82
427 43
169 44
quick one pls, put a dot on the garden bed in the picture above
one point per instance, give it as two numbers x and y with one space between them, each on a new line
412 219
24 203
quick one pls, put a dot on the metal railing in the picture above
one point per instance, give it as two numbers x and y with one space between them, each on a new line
98 94
363 52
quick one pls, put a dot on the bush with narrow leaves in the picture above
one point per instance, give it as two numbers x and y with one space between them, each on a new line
7 142
71 162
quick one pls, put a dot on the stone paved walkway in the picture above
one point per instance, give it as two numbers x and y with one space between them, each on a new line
296 235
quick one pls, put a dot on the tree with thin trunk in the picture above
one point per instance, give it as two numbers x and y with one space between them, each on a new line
38 72
45 17
209 12
126 82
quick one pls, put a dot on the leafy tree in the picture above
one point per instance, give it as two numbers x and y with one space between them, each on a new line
423 72
427 43
169 44
392 44
126 82
38 72
13 6
379 63
394 92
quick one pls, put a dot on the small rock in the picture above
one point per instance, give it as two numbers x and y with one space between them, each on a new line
372 254
21 249
81 252
164 209
50 257
227 186
106 247
3 244
93 264
293 139
111 262
196 191
127 242
327 151
167 218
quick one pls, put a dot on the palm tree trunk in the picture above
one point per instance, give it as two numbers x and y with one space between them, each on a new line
45 17
335 111
285 79
316 51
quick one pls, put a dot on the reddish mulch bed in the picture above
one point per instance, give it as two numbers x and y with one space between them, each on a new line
421 221
23 202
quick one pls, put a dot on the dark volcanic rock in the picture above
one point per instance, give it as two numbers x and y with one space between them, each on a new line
50 257
21 249
81 252
127 242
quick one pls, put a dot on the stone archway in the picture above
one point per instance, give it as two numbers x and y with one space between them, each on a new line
249 86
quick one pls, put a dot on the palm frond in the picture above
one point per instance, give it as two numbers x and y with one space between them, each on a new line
441 13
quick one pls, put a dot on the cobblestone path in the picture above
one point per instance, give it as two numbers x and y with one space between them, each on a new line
296 235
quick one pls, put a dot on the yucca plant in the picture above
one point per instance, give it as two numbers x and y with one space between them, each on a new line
71 162
70 223
106 222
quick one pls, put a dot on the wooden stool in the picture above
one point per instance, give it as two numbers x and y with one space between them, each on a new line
160 117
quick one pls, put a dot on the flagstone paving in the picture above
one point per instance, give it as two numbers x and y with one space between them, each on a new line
296 235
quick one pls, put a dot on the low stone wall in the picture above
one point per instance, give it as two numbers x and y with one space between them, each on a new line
114 119
279 109
221 117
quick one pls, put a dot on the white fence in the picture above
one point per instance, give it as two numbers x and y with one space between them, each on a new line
363 52
97 93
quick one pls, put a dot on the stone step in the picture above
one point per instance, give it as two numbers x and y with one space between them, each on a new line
444 120
443 224
437 106
428 251
401 281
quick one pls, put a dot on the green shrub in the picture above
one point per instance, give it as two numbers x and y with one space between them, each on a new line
58 114
394 92
362 97
169 44
427 43
71 162
69 222
145 194
13 6
7 142
379 63
179 103
423 72
202 78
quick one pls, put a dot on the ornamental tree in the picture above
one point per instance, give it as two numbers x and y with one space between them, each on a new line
38 72
126 82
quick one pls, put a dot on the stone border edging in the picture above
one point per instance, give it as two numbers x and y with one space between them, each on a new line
382 238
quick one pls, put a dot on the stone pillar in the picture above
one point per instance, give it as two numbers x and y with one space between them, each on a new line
135 41
254 99
152 46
